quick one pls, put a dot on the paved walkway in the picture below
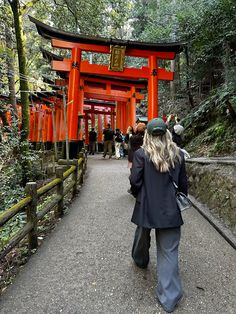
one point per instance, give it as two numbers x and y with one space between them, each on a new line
85 267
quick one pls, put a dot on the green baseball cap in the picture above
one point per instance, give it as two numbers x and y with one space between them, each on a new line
156 127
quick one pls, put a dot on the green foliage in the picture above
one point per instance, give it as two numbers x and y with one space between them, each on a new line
11 160
210 125
11 228
209 110
208 29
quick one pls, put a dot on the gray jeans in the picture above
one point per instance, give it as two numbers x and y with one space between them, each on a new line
169 288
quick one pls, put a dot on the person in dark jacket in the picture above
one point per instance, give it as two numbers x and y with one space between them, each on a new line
108 139
136 141
128 135
92 141
118 143
156 208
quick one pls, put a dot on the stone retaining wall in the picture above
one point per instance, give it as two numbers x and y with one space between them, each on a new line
215 186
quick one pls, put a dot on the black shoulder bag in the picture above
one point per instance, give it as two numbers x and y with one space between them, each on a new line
182 200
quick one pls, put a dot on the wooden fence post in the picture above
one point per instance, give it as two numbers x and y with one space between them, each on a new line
60 189
31 211
75 177
81 155
84 159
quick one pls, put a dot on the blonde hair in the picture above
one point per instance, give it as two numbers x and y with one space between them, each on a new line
161 150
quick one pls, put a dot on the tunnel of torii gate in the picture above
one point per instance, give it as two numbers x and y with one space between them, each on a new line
75 67
123 100
121 90
95 107
124 96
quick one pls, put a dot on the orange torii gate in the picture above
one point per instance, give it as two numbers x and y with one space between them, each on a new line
126 111
78 43
122 97
124 92
110 89
100 104
99 111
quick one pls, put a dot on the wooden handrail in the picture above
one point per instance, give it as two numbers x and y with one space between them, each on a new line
68 172
44 189
16 239
29 203
14 210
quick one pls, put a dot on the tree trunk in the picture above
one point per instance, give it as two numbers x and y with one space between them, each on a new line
177 71
172 83
190 96
11 71
15 6
22 69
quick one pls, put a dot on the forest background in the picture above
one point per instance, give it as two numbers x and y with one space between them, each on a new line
203 94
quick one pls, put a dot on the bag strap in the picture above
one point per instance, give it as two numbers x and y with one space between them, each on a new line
177 191
173 182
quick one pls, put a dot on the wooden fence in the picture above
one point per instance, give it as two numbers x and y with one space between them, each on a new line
30 203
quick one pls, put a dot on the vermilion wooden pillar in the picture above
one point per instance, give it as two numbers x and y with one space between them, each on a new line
86 130
133 107
118 115
40 124
92 120
73 95
152 88
105 120
128 121
44 124
81 129
61 126
81 98
31 124
124 122
36 125
49 127
121 116
56 121
112 117
36 122
81 110
100 128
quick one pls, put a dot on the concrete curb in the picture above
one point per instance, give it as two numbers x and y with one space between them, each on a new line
223 231
215 161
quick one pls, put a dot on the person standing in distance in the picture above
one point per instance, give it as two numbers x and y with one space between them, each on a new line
92 141
118 143
108 139
156 208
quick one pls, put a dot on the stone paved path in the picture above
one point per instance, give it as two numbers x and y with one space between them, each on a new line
85 267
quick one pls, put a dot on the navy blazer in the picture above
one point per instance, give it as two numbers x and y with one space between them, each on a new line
156 205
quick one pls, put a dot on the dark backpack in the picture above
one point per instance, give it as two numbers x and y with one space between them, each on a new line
118 138
108 134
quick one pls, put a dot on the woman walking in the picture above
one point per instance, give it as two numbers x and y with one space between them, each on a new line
155 165
136 141
129 134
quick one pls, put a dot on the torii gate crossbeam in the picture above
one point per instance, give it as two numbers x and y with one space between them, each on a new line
78 43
